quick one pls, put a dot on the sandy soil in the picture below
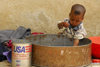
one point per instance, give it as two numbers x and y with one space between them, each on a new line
6 64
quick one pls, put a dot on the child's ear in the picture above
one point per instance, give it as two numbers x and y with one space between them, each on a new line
69 14
82 18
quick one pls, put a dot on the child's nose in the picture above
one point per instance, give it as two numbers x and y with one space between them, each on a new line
73 22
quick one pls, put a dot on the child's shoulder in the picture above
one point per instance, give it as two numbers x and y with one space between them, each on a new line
81 26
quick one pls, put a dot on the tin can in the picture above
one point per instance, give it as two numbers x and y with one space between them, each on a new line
21 53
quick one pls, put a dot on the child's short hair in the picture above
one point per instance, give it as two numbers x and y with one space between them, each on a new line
78 9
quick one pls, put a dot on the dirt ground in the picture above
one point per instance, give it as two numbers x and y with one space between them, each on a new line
6 64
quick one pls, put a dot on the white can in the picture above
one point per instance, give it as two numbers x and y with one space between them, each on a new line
21 53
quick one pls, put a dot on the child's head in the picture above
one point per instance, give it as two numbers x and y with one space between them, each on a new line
77 14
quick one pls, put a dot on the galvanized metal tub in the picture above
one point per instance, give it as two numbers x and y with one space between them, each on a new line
51 50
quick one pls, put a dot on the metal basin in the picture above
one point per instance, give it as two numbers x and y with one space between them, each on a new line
51 50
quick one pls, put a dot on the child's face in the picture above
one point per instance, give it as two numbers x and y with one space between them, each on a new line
75 19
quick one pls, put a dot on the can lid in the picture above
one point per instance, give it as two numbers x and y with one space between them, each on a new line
96 60
20 41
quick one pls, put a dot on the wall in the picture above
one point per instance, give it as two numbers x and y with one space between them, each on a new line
43 15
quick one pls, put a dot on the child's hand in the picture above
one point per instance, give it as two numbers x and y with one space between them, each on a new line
60 25
76 42
60 33
63 24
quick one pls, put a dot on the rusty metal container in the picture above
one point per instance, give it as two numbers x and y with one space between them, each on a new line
51 50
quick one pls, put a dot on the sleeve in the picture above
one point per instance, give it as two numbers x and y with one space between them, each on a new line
81 33
66 20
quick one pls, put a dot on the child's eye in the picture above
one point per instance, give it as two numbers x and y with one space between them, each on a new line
72 19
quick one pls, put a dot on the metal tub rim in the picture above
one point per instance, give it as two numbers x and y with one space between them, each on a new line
58 46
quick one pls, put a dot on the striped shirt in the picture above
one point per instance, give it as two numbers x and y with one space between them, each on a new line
77 32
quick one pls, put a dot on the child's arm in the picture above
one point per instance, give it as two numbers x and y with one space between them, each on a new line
76 42
80 34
